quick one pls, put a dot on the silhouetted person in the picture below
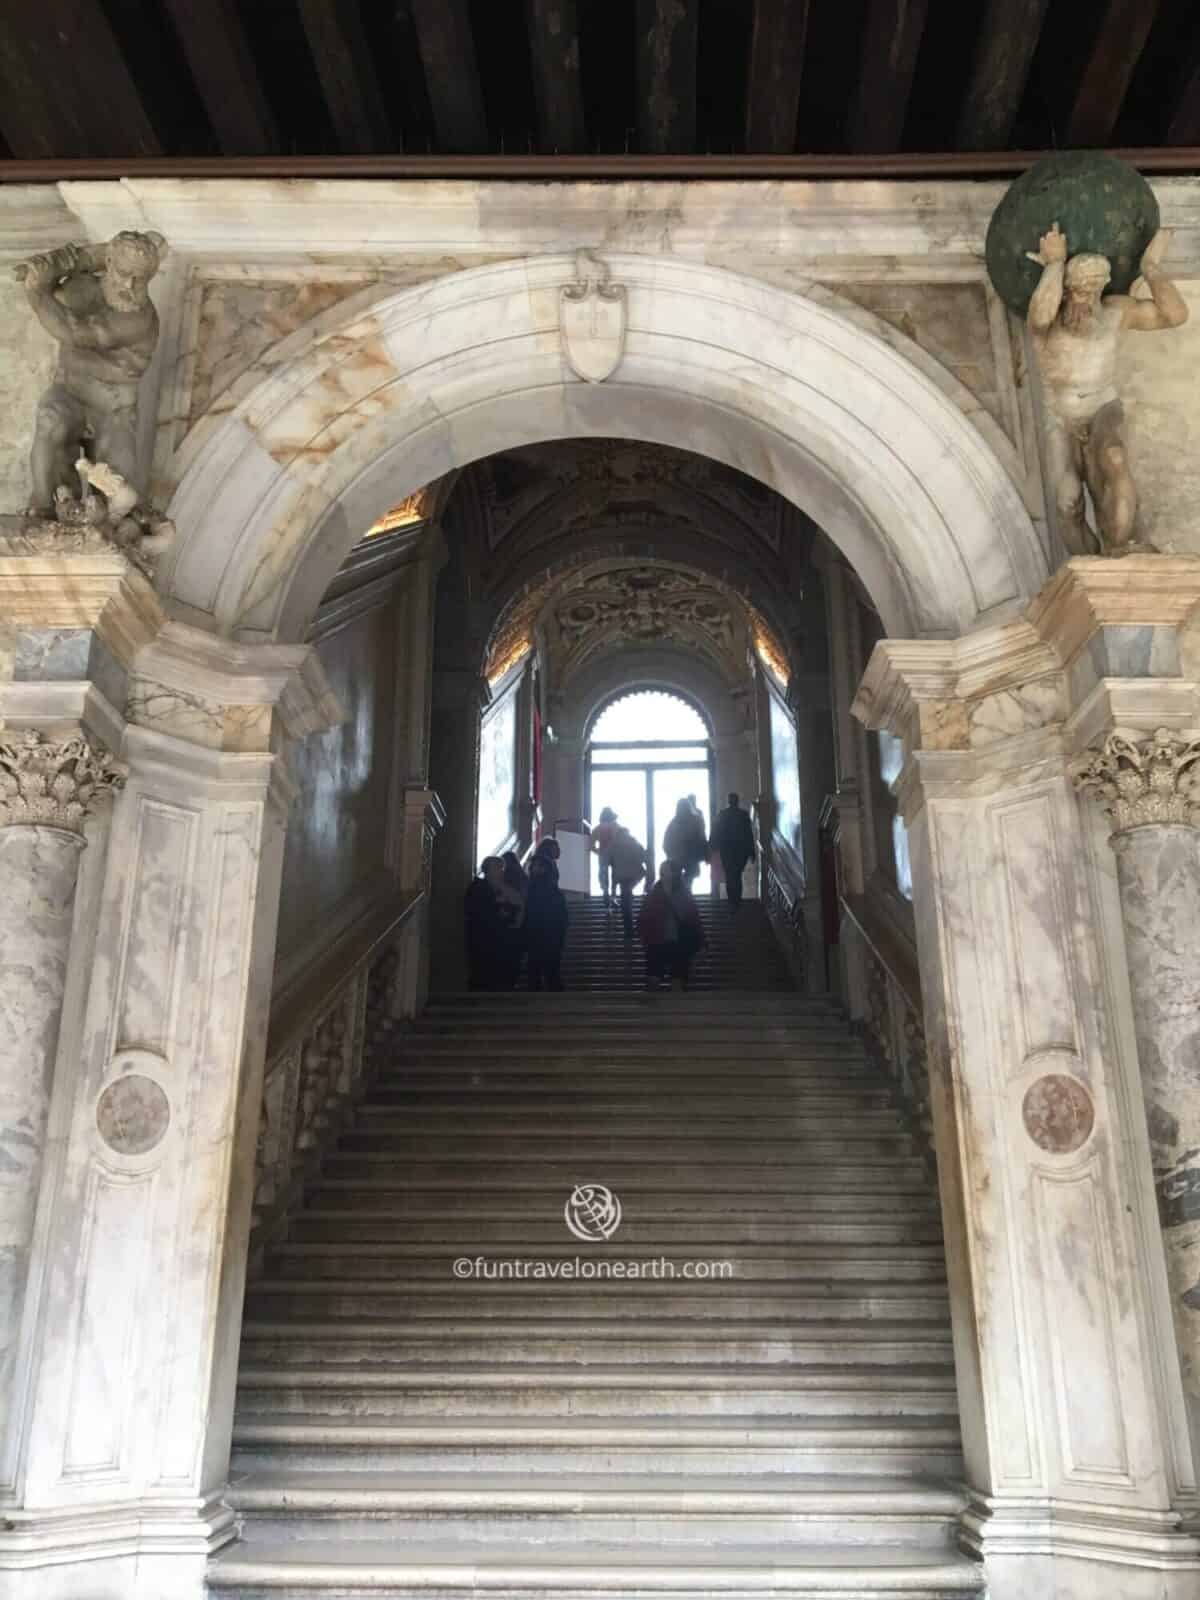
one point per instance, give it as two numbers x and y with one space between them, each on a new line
492 957
628 857
601 842
549 850
670 928
733 840
684 842
545 924
515 875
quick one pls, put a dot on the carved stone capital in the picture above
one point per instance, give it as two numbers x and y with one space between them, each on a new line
1143 781
54 783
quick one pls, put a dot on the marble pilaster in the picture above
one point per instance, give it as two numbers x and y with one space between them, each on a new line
1150 789
1078 1455
124 1394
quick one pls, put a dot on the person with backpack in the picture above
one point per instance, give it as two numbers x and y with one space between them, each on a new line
628 857
733 840
670 928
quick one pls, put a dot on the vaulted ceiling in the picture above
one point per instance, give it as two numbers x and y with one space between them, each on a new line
130 79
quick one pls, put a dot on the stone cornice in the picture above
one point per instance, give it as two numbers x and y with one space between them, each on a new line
1092 592
95 588
204 669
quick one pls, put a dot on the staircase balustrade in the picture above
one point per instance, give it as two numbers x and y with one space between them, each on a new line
892 1025
319 1064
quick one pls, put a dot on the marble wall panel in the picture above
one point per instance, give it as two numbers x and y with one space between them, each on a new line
336 853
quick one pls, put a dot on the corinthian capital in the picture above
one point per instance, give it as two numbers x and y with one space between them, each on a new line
53 783
1142 781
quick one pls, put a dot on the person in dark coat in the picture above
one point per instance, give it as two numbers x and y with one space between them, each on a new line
733 840
492 959
545 924
670 928
549 850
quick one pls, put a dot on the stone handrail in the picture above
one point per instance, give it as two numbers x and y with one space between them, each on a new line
892 1024
319 1060
784 889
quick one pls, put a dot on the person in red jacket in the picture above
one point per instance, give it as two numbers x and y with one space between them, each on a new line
670 928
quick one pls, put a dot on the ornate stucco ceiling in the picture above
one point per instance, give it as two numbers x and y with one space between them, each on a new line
543 491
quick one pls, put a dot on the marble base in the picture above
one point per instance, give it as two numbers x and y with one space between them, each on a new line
120 1552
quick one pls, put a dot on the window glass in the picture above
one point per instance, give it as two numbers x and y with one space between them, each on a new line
497 777
785 766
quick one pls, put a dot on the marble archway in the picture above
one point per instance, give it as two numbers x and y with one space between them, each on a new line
270 499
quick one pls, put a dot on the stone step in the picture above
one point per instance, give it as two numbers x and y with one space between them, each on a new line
727 1445
747 1056
839 1098
397 1569
894 1173
679 1142
499 1227
750 1119
807 1196
370 1299
521 1342
402 1392
410 1263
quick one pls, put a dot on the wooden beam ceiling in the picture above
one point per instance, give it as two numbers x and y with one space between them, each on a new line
557 84
773 78
65 85
1008 38
447 47
891 39
223 69
1121 36
667 36
349 81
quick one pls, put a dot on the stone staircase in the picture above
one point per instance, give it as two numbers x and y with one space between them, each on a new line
741 952
787 1431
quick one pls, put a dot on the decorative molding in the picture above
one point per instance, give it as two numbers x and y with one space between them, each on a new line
1142 782
54 783
1092 592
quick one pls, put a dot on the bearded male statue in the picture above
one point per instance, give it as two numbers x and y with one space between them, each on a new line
1075 330
95 301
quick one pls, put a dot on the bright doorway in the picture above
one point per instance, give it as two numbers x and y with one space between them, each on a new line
649 749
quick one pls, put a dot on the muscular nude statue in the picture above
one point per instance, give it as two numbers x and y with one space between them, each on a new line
94 300
1075 330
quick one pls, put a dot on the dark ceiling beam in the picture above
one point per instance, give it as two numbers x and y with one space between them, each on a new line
223 70
1184 126
65 89
892 37
1121 38
1008 37
346 69
557 83
667 33
447 47
773 78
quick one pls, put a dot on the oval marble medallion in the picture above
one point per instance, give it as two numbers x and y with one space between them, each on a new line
132 1115
1058 1113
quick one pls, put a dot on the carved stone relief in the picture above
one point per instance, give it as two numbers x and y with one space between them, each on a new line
132 1115
54 783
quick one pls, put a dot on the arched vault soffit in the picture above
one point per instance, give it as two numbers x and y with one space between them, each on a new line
616 604
433 377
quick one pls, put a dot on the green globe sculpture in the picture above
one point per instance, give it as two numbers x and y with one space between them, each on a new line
1104 207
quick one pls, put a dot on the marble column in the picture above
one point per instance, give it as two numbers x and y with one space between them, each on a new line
1150 790
48 788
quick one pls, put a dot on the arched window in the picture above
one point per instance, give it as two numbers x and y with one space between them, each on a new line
649 749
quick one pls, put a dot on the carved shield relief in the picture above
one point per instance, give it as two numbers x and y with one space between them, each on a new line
592 321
